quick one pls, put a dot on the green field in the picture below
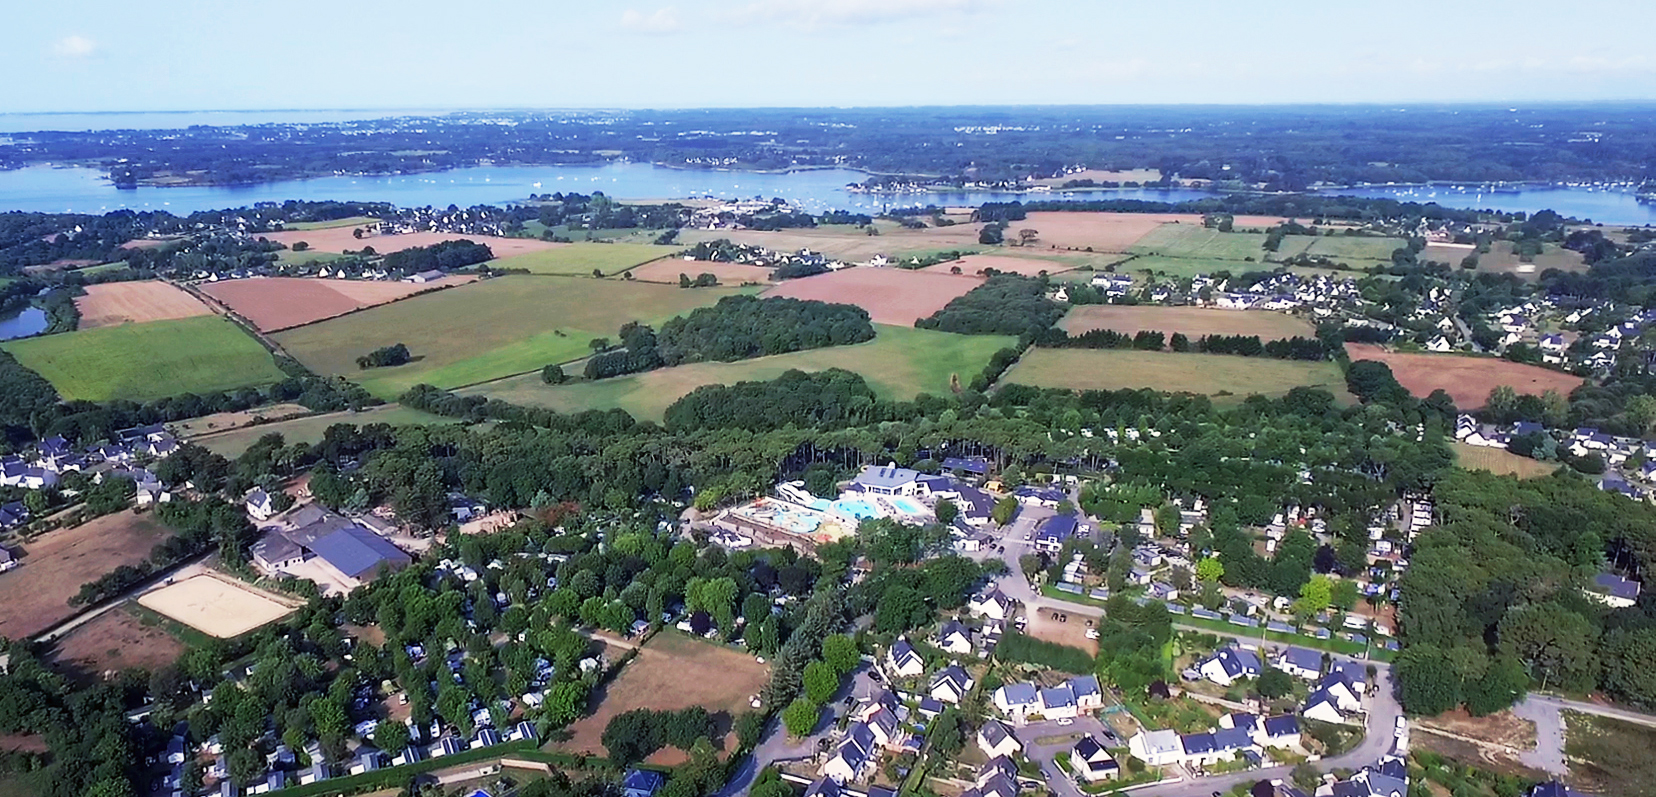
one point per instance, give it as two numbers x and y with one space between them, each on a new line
309 429
307 256
1349 248
103 268
1189 240
1499 461
1187 267
1210 374
487 330
353 221
899 363
579 259
148 361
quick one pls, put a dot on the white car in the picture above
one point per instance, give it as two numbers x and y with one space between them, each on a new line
1066 722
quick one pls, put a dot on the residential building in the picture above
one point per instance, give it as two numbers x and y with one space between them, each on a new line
1017 700
1157 748
1092 762
995 738
854 756
641 783
1614 590
904 661
951 684
991 604
954 638
1229 665
1300 662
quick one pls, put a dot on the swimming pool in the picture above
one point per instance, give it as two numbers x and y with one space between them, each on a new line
907 506
856 508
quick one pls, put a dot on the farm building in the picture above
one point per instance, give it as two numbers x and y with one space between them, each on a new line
349 554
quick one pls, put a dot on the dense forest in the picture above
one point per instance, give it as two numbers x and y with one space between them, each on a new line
1005 304
445 256
737 328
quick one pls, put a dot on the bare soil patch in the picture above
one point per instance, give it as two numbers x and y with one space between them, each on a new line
339 239
1104 232
1073 632
215 605
673 672
227 421
1468 380
277 303
976 264
891 296
56 565
1503 728
115 641
1194 322
668 270
1494 759
115 303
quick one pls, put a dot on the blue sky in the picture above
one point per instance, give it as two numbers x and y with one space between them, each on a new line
104 55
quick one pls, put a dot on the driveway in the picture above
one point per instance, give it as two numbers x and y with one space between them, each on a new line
1045 754
776 746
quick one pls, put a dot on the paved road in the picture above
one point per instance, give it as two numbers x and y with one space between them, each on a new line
776 746
1548 755
1045 754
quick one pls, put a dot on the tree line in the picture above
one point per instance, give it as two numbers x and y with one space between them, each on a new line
1005 304
442 256
737 328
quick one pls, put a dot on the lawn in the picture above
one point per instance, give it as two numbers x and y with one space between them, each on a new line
899 363
1211 374
1190 240
1186 267
579 259
138 362
353 221
231 443
487 330
1342 247
1194 322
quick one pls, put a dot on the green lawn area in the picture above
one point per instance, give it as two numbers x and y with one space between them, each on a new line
352 221
1186 267
103 268
1499 461
1219 375
487 330
579 259
146 361
1189 240
309 429
899 363
307 256
1348 248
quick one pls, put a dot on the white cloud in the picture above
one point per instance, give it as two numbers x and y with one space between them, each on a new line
819 13
74 46
664 20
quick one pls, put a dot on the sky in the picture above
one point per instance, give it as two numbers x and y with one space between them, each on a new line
118 55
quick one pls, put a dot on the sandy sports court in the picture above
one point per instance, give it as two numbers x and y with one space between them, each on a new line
277 303
339 239
214 606
56 564
671 672
1467 380
668 270
890 295
975 264
1194 322
116 303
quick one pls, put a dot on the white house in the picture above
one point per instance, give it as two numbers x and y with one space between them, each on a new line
1614 591
954 638
1157 748
259 505
1281 731
854 755
1229 665
1301 663
995 739
904 661
991 604
952 684
889 480
1092 762
1017 700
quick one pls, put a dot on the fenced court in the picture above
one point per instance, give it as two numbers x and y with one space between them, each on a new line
214 606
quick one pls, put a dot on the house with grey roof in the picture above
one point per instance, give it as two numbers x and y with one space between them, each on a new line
888 480
1302 663
1614 590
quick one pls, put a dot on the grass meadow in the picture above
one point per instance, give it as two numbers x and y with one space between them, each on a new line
1348 248
147 361
353 221
487 330
309 429
1218 375
579 259
899 363
1193 241
1499 461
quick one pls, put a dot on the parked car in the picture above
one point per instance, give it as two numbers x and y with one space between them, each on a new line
1066 721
